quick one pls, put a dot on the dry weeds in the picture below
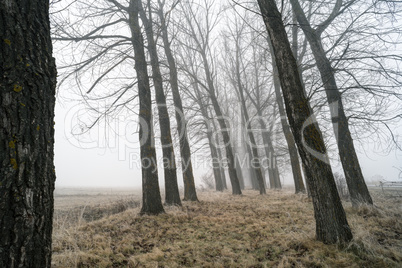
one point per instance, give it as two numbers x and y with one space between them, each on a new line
275 230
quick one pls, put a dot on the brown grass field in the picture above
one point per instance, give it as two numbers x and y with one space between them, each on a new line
275 230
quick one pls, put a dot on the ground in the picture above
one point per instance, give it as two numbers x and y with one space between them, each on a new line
274 230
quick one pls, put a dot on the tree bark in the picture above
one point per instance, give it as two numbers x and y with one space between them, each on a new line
331 222
358 190
294 158
151 199
27 101
190 193
172 196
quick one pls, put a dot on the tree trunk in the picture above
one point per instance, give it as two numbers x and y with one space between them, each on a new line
190 193
238 167
151 199
247 148
221 168
215 162
172 196
254 150
236 190
273 172
331 222
354 177
27 101
294 158
251 171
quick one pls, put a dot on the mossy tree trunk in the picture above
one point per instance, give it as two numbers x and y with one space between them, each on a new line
294 158
27 101
151 198
358 190
331 222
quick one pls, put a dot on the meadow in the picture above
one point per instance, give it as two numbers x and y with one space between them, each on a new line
102 228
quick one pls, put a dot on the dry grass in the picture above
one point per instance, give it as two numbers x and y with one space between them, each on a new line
231 231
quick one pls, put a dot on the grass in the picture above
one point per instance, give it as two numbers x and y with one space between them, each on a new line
275 230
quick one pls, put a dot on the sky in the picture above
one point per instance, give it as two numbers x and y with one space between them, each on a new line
91 163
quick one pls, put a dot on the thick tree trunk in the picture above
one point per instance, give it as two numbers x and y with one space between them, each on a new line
331 222
172 196
27 101
354 177
190 193
294 158
151 198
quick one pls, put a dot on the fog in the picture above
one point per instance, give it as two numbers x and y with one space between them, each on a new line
104 167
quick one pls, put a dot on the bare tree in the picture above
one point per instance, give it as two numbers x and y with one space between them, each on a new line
151 199
331 222
200 38
172 196
294 158
357 187
27 102
187 167
237 82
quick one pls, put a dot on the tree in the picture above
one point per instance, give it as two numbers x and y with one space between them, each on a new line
187 167
151 199
294 158
107 48
331 222
27 101
244 63
172 196
216 165
357 187
200 38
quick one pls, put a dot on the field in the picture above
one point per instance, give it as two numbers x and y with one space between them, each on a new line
102 228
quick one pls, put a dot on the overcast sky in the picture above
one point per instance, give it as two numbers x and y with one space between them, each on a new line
118 166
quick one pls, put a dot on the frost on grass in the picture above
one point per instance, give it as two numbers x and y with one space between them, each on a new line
232 231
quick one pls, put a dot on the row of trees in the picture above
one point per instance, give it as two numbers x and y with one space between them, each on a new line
228 67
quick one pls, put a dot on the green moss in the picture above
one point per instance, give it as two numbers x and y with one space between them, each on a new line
8 42
13 162
17 88
11 144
